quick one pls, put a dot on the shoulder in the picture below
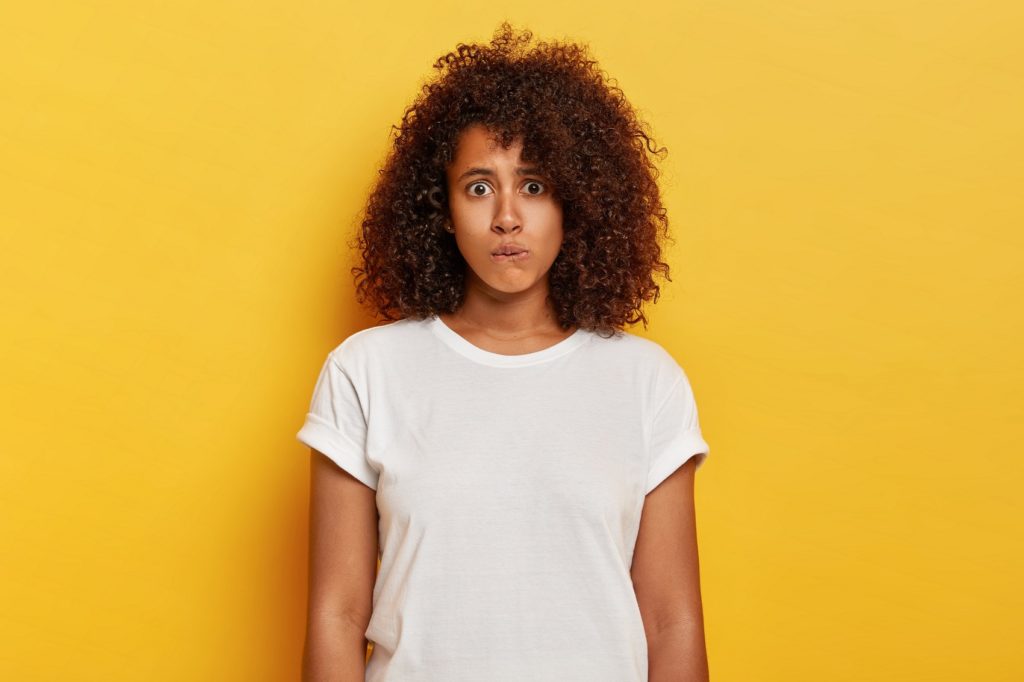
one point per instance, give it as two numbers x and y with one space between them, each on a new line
644 363
363 347
638 352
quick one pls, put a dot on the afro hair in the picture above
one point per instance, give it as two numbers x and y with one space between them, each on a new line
577 126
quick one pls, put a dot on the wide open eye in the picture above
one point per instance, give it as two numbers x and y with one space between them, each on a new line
533 183
473 189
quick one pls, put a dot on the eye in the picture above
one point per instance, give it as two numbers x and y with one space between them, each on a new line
532 184
473 189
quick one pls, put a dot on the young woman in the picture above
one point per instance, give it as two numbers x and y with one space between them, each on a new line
521 466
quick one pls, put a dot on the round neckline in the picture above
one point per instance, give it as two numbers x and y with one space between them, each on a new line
461 345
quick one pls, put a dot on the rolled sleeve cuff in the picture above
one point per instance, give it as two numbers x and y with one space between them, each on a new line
322 436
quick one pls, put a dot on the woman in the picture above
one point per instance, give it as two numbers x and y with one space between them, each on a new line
522 465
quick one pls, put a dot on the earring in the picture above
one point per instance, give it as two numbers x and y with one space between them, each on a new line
448 227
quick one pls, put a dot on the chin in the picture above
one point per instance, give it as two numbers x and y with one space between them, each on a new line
510 288
510 285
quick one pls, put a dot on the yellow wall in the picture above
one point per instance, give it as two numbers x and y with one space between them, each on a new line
179 181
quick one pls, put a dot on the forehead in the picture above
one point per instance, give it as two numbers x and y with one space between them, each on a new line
476 142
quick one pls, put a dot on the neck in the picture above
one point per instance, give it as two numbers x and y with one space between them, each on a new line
504 315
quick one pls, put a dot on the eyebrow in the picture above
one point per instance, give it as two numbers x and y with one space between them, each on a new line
520 170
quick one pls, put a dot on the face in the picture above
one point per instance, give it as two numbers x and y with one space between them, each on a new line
494 200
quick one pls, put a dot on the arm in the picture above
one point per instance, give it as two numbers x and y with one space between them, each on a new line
342 572
666 580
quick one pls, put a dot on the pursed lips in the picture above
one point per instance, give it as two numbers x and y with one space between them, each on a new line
510 252
509 249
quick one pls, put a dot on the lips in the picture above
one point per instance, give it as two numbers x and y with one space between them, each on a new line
510 253
509 250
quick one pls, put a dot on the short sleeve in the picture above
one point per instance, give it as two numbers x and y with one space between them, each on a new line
675 433
335 424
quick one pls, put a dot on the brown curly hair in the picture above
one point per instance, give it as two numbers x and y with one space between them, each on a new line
577 126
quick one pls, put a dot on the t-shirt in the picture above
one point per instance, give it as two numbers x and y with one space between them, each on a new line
509 490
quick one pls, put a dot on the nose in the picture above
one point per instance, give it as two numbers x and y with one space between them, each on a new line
506 217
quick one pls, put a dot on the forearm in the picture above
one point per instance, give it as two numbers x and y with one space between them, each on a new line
678 654
335 650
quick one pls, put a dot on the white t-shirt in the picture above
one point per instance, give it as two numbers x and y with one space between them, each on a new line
509 489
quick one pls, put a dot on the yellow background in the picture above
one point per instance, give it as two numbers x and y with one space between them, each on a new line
179 182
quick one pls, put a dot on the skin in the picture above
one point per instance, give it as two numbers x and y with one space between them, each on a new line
666 579
342 571
493 199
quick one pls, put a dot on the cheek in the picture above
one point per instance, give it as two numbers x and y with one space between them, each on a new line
555 231
468 212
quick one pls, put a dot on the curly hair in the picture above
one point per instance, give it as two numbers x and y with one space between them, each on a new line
577 126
